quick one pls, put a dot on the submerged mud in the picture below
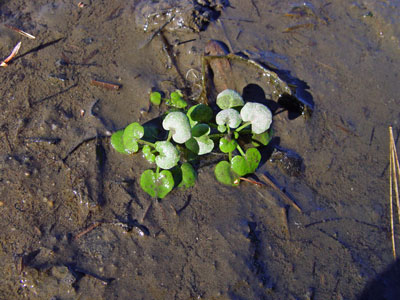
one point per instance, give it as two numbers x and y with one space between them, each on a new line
75 223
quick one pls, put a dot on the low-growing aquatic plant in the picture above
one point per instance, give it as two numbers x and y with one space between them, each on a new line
195 132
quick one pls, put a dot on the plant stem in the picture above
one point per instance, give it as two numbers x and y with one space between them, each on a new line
157 175
169 136
243 126
146 143
230 156
216 135
240 150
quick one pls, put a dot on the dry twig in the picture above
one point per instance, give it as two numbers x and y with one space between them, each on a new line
394 177
87 230
21 32
11 56
280 192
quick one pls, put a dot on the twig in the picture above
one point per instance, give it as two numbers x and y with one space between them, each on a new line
87 230
21 32
394 174
11 56
251 181
107 85
391 203
280 192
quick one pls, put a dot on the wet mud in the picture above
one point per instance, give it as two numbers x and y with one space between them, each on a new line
75 223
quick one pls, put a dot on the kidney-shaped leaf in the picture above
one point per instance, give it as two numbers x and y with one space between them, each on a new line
247 164
148 154
199 113
258 114
178 123
155 186
229 117
132 133
229 98
224 174
226 145
188 176
117 142
168 155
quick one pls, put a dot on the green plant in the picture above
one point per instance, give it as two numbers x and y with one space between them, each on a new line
238 129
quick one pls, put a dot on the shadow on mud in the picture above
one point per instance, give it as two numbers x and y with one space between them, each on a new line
386 286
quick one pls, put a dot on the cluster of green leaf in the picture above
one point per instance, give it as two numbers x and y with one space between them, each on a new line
195 132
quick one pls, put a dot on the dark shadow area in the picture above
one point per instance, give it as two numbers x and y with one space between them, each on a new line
254 93
299 103
386 286
292 104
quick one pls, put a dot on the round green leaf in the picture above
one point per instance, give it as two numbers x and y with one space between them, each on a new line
132 133
227 146
192 145
169 155
262 138
200 129
134 130
176 95
229 98
188 176
157 186
224 174
155 98
247 164
239 165
199 113
117 143
177 100
148 154
253 157
200 145
221 128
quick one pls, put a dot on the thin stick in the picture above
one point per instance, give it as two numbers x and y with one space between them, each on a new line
87 230
396 171
393 183
280 192
106 85
251 181
391 199
11 56
21 32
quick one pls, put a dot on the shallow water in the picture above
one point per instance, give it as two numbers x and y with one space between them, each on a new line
210 241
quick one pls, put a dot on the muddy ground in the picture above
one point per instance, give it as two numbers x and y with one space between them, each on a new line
59 175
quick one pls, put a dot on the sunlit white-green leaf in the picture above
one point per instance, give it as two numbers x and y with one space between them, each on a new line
178 123
229 117
258 114
168 155
229 98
